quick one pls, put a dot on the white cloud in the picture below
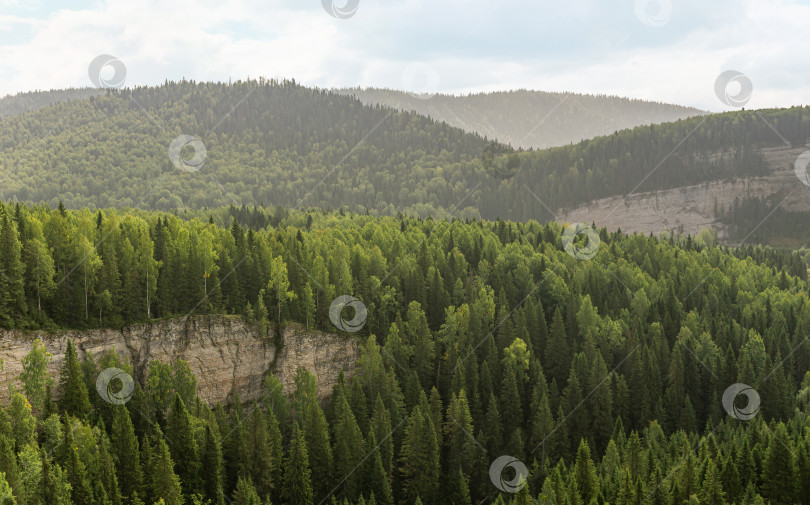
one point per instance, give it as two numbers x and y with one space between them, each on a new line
472 44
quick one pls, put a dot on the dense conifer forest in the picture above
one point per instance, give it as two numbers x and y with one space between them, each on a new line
604 371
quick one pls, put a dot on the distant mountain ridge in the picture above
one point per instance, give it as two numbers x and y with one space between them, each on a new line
29 101
530 119
282 144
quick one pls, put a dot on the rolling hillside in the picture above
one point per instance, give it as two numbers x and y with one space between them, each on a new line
530 119
281 144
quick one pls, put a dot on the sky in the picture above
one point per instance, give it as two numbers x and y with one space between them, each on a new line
662 50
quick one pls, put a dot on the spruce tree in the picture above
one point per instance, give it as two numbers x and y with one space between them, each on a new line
316 434
165 484
55 488
419 458
297 488
558 354
245 493
377 479
12 269
82 490
211 468
585 473
349 448
127 453
183 445
72 391
779 468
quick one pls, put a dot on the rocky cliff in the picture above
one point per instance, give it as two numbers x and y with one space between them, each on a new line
692 208
225 353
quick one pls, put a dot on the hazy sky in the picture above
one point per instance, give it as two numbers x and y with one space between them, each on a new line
660 50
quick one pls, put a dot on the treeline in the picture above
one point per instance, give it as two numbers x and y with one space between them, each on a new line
604 376
279 143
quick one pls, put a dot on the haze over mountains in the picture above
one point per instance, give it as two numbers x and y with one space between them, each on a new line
279 143
530 119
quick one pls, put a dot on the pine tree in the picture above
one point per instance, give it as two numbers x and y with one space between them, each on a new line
297 477
72 391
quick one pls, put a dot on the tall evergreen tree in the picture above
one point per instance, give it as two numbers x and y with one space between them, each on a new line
297 488
127 453
72 391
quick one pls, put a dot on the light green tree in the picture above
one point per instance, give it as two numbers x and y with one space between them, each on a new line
279 284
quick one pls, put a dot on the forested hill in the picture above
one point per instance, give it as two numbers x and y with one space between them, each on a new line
266 141
530 119
30 101
606 377
283 144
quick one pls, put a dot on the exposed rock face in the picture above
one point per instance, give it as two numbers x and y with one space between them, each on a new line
225 353
693 208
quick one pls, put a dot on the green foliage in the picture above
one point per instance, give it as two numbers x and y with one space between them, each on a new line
35 378
604 376
297 476
256 157
72 391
